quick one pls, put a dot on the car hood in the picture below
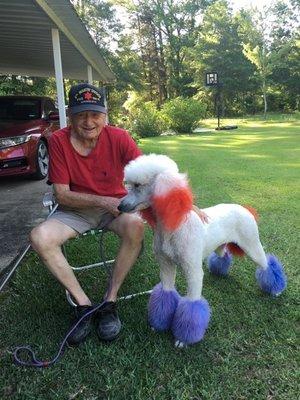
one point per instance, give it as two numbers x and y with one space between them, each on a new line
17 128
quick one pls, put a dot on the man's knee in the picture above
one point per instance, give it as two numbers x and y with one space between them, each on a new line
40 238
50 234
134 229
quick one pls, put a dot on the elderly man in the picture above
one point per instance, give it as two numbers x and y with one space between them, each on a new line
86 170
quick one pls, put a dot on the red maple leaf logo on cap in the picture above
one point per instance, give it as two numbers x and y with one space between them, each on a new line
87 96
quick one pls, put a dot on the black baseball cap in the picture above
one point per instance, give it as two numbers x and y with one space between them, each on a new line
86 97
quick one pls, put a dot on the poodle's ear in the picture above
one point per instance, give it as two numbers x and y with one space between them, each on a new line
172 200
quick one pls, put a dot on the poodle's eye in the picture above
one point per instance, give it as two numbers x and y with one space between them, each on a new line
127 185
137 185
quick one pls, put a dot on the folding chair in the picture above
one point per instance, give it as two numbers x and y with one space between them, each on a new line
49 201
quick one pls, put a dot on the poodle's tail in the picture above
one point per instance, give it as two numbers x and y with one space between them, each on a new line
233 248
252 211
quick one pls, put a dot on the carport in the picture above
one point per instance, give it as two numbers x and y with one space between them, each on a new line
46 38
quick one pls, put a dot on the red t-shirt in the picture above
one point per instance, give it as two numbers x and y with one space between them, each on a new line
101 171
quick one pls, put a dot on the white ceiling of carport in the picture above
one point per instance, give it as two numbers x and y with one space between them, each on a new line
26 42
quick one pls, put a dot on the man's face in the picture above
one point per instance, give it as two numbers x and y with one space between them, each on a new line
87 124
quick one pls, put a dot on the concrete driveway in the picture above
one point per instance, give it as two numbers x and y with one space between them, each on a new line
21 209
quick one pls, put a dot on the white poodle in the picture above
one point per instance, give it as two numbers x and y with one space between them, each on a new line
162 195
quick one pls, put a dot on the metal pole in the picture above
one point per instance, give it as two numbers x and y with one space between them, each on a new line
90 74
131 296
19 259
59 78
218 104
127 297
105 103
22 254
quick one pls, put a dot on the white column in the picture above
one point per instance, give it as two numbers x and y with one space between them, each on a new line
106 106
90 74
59 78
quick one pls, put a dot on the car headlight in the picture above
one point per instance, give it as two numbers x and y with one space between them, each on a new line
13 141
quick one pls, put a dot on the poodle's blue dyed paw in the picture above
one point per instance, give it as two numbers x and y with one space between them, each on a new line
272 280
218 265
190 321
161 307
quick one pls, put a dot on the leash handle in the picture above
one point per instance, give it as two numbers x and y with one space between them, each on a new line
33 361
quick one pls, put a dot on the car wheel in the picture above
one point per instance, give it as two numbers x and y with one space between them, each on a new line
42 161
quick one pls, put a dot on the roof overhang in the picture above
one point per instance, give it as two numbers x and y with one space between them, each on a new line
26 42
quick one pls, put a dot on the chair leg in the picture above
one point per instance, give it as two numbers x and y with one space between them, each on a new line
103 263
15 266
70 299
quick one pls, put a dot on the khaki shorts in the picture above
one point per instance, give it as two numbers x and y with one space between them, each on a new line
82 220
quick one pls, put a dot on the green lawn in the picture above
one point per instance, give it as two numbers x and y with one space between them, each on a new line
250 348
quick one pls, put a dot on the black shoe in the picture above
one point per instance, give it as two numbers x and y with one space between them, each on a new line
82 331
108 322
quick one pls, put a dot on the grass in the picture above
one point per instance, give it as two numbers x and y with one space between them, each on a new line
250 348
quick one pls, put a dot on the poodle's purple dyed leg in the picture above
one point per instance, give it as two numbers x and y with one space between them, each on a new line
270 275
164 298
193 313
219 264
272 279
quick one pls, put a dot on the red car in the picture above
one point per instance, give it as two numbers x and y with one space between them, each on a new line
26 123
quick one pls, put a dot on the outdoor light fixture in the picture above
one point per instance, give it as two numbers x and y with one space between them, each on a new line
211 79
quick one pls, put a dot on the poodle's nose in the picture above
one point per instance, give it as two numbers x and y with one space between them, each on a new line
126 205
121 207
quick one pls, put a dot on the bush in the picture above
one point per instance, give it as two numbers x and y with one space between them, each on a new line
146 121
182 114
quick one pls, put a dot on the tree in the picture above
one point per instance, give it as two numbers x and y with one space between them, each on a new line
261 59
100 19
286 48
19 85
165 32
219 48
268 43
127 66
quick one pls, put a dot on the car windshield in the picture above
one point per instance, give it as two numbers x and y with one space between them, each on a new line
19 109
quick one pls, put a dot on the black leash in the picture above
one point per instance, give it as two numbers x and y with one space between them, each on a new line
21 353
34 362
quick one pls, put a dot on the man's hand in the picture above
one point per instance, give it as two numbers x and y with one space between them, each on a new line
201 214
111 205
67 197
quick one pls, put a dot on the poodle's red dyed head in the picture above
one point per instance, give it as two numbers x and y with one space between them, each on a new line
158 190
